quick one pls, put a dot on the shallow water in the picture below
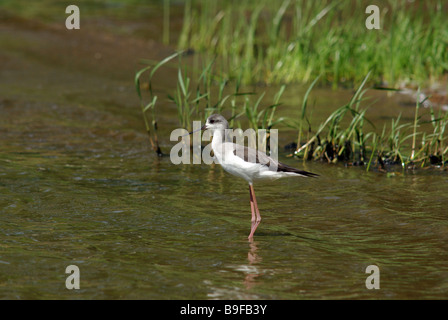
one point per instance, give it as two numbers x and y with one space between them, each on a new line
79 185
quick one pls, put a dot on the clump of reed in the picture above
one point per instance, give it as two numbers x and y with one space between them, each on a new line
212 92
343 137
149 108
198 94
295 41
410 147
346 136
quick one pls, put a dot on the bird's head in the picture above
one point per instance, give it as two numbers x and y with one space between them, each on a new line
216 122
213 123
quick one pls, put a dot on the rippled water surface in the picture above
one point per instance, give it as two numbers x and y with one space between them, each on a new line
79 185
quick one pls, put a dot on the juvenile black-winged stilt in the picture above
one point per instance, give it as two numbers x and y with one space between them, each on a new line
247 163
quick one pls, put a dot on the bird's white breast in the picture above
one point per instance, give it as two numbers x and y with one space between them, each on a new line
250 171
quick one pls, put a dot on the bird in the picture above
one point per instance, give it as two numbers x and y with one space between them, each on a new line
250 164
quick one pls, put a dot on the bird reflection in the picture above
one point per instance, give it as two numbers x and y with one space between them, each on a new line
251 270
252 254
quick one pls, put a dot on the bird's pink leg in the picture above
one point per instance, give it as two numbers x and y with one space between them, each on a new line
253 204
252 208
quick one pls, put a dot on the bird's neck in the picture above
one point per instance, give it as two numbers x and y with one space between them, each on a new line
219 137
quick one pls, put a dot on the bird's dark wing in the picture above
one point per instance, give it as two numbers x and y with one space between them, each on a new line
252 155
255 156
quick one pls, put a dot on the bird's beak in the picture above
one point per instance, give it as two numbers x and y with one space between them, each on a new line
200 129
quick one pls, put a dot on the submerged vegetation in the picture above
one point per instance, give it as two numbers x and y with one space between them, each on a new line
296 41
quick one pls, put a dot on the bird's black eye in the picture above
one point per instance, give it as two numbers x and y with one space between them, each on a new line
211 121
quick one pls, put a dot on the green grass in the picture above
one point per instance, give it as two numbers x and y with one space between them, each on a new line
150 107
296 41
343 137
346 136
198 94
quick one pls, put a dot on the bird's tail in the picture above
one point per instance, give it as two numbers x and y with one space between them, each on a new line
285 168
